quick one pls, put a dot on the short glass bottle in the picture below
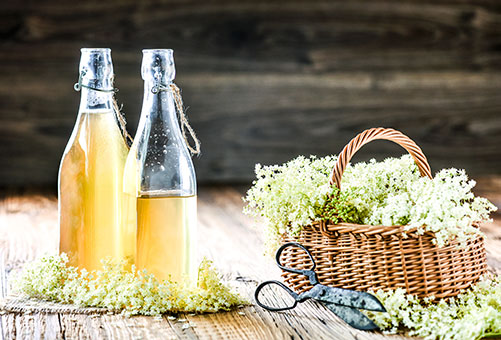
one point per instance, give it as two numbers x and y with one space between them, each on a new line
159 179
91 170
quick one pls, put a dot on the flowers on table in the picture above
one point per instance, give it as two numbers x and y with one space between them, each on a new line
115 288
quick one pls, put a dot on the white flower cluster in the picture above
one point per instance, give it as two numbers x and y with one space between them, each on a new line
474 314
287 195
115 288
390 192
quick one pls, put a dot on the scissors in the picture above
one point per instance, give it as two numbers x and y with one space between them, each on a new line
345 303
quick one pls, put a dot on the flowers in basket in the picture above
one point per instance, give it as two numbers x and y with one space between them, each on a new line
387 193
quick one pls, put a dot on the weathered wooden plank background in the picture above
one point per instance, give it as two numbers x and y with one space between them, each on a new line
265 80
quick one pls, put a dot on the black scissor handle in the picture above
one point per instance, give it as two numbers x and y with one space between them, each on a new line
293 294
306 272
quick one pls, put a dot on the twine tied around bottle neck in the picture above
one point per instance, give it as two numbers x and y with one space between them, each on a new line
183 120
119 115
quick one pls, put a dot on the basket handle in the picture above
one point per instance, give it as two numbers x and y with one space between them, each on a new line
378 133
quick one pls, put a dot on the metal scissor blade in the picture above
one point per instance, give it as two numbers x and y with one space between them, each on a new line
345 297
352 317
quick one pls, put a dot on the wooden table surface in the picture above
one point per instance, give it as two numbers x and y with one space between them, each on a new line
28 228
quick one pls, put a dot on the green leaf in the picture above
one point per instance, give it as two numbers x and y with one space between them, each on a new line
491 336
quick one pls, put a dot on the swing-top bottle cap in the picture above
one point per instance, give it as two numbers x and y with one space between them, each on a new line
96 67
158 65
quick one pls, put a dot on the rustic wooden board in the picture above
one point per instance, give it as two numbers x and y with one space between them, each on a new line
265 80
231 239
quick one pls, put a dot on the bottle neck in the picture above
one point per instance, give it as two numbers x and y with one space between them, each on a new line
159 108
165 163
95 80
95 101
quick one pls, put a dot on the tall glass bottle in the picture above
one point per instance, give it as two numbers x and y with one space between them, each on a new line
159 179
91 170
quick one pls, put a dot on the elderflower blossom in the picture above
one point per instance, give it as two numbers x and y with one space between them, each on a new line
391 192
286 195
115 288
473 314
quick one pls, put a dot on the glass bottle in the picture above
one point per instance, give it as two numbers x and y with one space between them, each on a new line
159 179
91 170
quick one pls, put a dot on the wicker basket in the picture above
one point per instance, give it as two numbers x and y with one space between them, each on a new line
361 257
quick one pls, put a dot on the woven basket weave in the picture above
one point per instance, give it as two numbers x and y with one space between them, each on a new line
361 257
